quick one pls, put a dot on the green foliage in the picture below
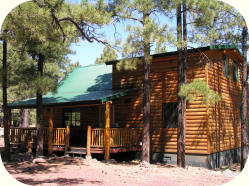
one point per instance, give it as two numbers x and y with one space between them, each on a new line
129 64
199 88
214 22
108 55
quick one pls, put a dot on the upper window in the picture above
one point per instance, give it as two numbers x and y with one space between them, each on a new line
72 117
235 72
225 65
170 115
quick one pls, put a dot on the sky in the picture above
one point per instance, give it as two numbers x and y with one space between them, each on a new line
86 53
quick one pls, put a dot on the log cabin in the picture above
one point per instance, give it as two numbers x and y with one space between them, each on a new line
98 109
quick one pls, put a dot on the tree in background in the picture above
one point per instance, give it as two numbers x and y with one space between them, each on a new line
108 54
57 24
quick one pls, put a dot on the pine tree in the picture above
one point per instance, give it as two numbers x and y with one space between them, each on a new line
53 20
145 32
108 54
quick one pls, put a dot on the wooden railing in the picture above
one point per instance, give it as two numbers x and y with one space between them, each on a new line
97 137
119 137
59 136
123 137
25 135
22 135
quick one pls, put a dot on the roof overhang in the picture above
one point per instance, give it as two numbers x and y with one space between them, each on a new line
74 99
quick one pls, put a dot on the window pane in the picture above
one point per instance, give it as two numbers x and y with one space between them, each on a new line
225 66
235 72
170 115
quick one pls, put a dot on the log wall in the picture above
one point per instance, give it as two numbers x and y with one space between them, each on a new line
224 117
128 110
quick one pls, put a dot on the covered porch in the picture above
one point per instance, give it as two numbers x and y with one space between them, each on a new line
80 116
85 140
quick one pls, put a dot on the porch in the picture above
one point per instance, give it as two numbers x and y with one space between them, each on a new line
99 140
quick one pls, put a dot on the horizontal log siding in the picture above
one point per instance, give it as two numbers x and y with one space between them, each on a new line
128 110
89 116
57 117
224 117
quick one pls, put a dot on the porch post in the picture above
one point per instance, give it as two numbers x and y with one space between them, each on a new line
88 145
50 131
107 130
67 137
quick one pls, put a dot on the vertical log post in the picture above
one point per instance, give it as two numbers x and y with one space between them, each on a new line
50 131
107 131
88 145
67 137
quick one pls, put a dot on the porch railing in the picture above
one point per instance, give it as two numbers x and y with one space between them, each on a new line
22 135
59 136
119 137
25 135
97 137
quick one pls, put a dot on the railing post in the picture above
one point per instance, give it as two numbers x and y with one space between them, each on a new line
107 131
50 131
88 145
67 137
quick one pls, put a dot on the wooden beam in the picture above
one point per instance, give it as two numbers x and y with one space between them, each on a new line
88 145
67 137
50 131
107 130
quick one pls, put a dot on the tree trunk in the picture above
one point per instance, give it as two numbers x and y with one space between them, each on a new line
39 116
24 116
244 100
146 97
5 110
181 67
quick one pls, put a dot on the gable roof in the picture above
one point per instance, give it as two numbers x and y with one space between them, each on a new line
84 84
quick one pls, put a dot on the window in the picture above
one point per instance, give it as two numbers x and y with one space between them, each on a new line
225 66
72 117
170 115
235 72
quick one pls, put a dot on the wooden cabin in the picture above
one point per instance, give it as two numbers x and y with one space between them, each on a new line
98 109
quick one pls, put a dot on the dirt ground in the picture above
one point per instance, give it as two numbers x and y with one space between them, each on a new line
80 171
62 170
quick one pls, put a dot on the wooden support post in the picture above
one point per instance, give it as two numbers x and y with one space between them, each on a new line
50 131
107 131
67 137
88 145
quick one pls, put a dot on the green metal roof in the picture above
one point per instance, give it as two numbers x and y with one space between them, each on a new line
83 84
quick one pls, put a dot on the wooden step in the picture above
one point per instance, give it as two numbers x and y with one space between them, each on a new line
76 150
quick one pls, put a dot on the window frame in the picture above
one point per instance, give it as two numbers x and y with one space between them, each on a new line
235 71
74 117
225 66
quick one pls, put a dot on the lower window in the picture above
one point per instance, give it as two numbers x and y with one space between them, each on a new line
170 115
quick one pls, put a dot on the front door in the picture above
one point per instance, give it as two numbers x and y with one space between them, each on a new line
72 118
